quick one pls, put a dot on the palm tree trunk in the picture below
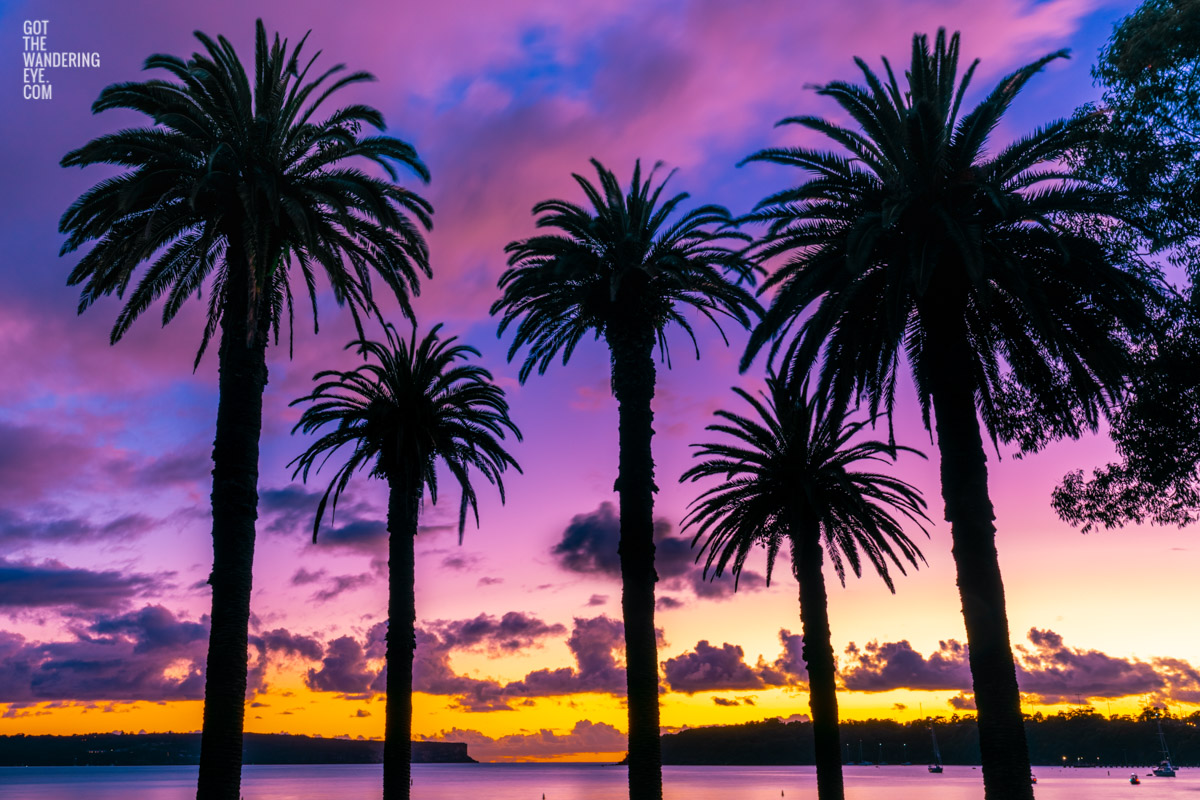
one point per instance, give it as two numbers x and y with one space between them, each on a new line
633 385
403 504
243 377
1005 753
807 558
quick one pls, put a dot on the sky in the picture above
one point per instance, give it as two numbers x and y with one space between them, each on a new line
105 450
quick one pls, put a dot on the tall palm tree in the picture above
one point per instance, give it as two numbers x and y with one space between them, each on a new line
792 475
976 269
624 269
235 186
412 406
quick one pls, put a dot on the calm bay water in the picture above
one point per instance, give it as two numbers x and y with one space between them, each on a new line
572 782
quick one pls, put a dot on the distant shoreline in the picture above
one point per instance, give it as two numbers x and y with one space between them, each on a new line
183 749
1081 740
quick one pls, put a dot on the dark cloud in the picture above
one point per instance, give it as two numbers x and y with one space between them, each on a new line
148 654
291 511
303 577
895 665
1059 674
597 600
344 583
1048 671
52 584
789 668
363 535
962 702
667 603
594 643
722 701
514 631
589 543
488 581
589 546
343 669
708 668
17 531
461 562
284 641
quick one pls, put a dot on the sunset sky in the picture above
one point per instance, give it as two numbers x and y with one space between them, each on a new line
105 450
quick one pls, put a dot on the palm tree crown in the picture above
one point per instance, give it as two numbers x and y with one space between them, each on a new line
411 406
793 464
790 475
622 262
238 182
917 234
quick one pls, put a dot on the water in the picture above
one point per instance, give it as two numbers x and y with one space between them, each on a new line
572 782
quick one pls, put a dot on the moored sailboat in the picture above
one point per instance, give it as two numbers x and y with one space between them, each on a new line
1165 768
936 766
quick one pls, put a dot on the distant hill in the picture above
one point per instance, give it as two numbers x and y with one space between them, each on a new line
103 749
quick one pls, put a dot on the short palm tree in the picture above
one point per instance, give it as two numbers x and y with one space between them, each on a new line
975 269
411 406
235 187
624 269
792 474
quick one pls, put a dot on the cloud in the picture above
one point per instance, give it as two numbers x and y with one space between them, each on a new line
962 702
584 738
20 531
1059 674
1048 671
588 546
284 641
894 665
667 603
597 600
594 644
52 584
148 654
512 632
341 584
708 669
343 669
303 577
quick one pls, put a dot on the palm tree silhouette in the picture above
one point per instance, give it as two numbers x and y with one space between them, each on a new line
234 187
623 269
790 475
412 406
979 271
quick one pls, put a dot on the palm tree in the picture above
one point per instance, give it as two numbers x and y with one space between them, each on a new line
410 408
980 272
234 187
623 270
790 475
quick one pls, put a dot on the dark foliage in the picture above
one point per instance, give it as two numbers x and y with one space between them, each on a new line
1148 146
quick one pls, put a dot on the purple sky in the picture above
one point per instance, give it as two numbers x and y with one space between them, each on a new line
104 471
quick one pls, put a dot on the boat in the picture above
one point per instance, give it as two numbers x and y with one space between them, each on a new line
1165 768
936 766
